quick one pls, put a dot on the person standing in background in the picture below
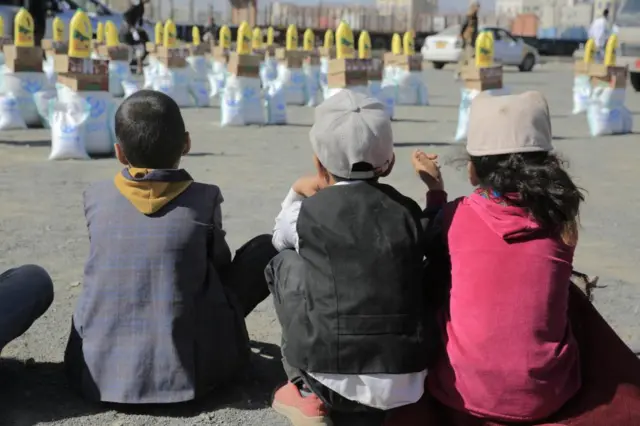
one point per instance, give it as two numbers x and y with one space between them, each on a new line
599 31
468 34
38 11
210 31
132 33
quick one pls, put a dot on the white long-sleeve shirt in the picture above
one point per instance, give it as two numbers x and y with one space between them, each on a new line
599 32
382 391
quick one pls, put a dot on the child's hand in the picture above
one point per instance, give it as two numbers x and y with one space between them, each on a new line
427 167
308 185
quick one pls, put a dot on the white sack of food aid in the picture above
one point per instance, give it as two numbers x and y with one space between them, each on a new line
174 82
607 114
10 117
45 100
411 89
119 72
581 93
200 93
149 72
23 86
314 93
130 87
242 102
465 106
276 104
68 126
98 129
358 89
385 93
200 67
295 84
217 78
268 71
48 70
324 72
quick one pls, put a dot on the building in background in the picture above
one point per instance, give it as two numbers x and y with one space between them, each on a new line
411 7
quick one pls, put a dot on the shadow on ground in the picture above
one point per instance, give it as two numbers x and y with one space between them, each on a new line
34 392
38 144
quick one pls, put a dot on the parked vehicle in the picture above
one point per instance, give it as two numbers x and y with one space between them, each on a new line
446 47
628 23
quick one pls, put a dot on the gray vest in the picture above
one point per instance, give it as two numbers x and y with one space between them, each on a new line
363 305
155 322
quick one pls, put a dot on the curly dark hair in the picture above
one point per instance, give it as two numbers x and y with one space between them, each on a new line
537 182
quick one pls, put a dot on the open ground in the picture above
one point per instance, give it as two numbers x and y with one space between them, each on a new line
41 221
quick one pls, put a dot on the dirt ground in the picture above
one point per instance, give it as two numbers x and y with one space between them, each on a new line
41 221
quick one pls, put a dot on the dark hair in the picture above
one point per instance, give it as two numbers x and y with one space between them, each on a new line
150 130
537 182
605 13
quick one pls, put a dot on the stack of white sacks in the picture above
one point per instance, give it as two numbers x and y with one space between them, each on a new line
467 96
82 124
599 90
22 94
606 111
187 85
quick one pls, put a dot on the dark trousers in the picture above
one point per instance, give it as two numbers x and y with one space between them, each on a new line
245 287
245 277
25 294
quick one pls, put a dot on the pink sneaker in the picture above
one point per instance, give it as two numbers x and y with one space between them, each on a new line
300 410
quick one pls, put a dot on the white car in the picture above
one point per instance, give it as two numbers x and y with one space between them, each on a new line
446 47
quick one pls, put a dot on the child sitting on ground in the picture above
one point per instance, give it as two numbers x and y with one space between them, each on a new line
510 351
161 315
347 284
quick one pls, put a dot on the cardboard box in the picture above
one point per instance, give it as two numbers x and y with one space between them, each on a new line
64 64
199 50
220 54
57 46
4 40
85 82
19 59
115 53
485 78
409 62
346 73
270 51
389 58
172 57
290 58
328 53
581 68
614 76
150 47
312 58
244 65
374 68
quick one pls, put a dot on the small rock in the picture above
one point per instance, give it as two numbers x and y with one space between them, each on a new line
75 284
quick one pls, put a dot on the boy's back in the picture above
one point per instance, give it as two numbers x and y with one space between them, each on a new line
154 323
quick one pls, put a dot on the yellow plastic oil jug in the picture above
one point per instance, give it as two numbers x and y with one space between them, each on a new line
364 45
328 39
80 35
396 44
23 29
484 50
292 38
345 46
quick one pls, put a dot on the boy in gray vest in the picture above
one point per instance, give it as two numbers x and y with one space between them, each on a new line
347 284
161 315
